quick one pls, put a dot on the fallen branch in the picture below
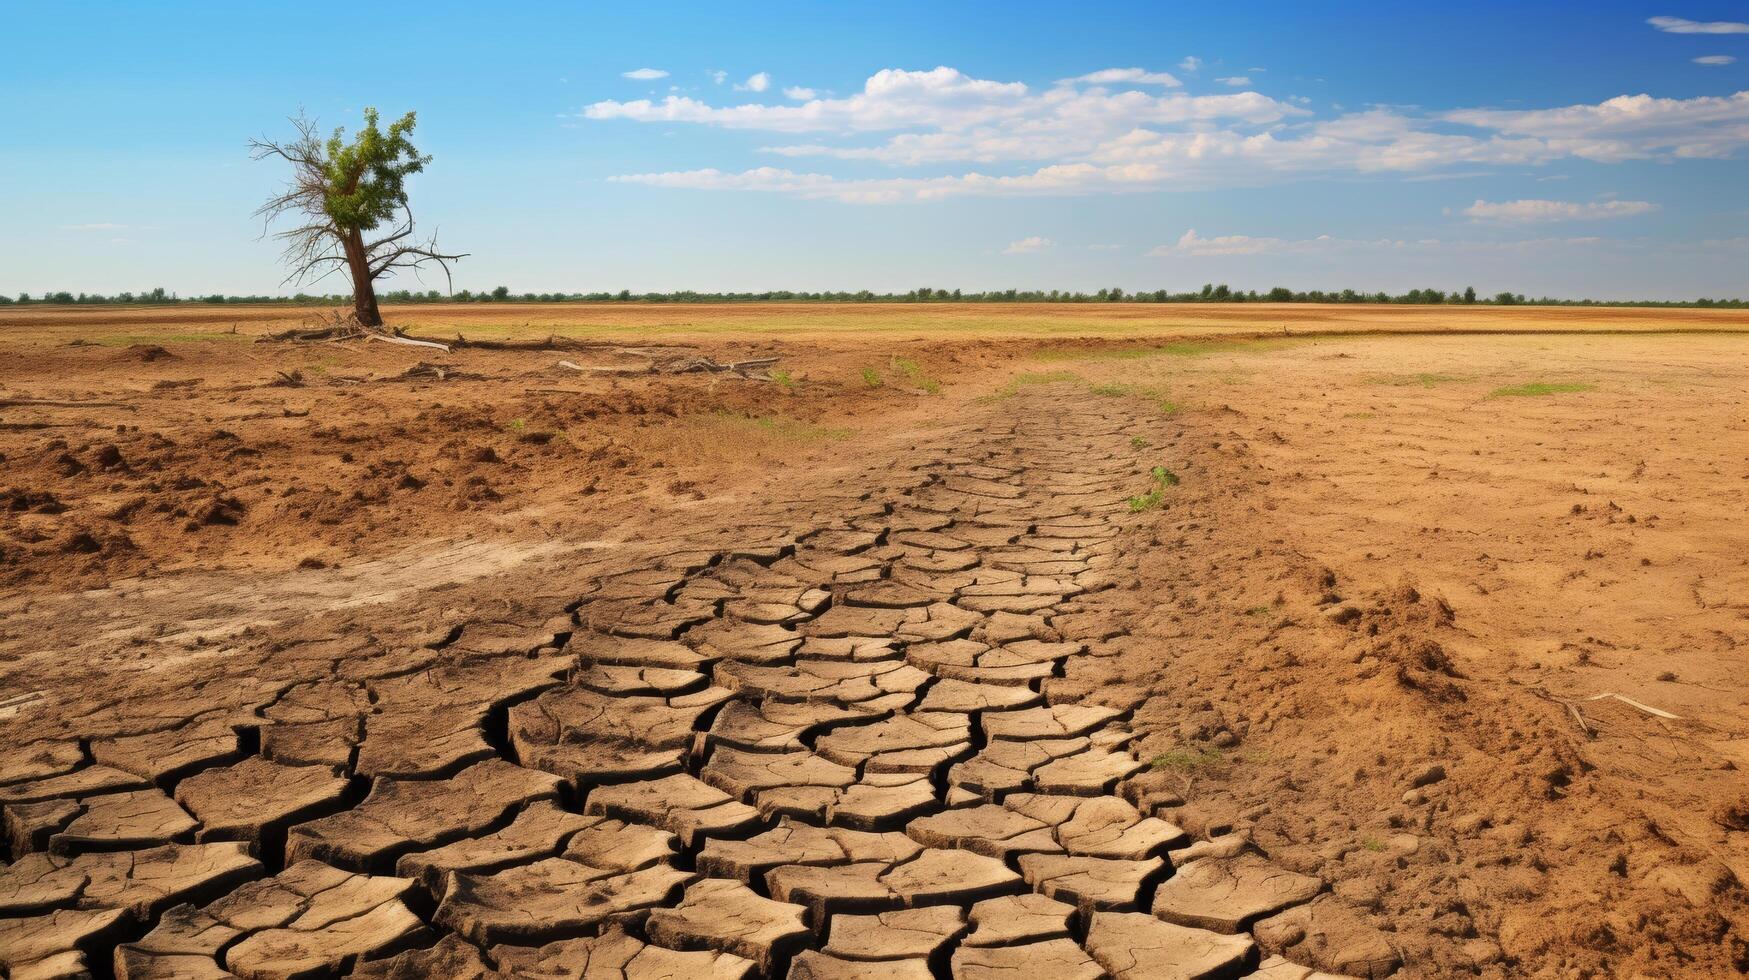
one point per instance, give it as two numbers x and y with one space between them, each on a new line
1648 709
617 369
55 403
550 342
389 338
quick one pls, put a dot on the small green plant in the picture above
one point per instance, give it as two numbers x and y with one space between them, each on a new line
1137 442
1537 389
871 378
1163 478
1372 843
785 379
516 425
915 375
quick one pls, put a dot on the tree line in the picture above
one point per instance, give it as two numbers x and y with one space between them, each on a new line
1209 293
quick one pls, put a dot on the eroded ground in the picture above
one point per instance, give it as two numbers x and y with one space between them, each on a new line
1109 642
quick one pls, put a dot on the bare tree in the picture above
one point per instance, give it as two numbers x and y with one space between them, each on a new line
341 192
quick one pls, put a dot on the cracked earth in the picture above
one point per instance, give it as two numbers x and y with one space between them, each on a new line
844 733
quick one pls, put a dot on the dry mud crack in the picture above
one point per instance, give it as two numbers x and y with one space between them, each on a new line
843 736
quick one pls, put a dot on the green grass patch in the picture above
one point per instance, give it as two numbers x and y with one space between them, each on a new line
1178 348
785 428
1190 758
871 378
1372 843
1137 442
1163 478
1028 378
212 337
1424 380
785 379
1538 389
915 375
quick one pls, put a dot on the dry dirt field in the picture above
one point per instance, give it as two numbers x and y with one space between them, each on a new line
1129 641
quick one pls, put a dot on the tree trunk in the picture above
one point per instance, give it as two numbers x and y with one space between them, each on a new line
364 291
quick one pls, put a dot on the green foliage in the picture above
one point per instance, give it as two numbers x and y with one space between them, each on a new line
1538 389
785 379
366 179
1163 478
1137 442
915 375
871 378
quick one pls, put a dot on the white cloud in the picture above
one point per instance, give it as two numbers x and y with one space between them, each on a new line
1190 64
1127 76
757 82
644 74
1083 138
1679 25
1627 126
1537 211
1236 81
1715 59
719 77
1190 243
1034 243
799 93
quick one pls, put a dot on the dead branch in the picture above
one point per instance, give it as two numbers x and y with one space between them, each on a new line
389 338
56 403
621 369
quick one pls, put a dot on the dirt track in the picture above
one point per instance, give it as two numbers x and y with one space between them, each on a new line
883 686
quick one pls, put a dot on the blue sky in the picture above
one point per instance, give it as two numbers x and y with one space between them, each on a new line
1537 147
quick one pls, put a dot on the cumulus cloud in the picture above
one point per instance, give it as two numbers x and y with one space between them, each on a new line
1680 25
757 82
1035 243
1007 138
644 74
1127 76
1715 59
1627 126
1531 211
718 77
1236 81
1190 64
799 93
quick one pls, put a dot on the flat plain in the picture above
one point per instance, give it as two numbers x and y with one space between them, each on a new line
1139 640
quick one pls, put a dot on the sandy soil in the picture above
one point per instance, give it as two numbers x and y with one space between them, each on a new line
1375 624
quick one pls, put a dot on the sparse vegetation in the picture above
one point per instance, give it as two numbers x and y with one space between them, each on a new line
871 378
914 374
1537 389
1163 478
1425 380
1137 442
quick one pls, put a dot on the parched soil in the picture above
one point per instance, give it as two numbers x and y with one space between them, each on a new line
1093 647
